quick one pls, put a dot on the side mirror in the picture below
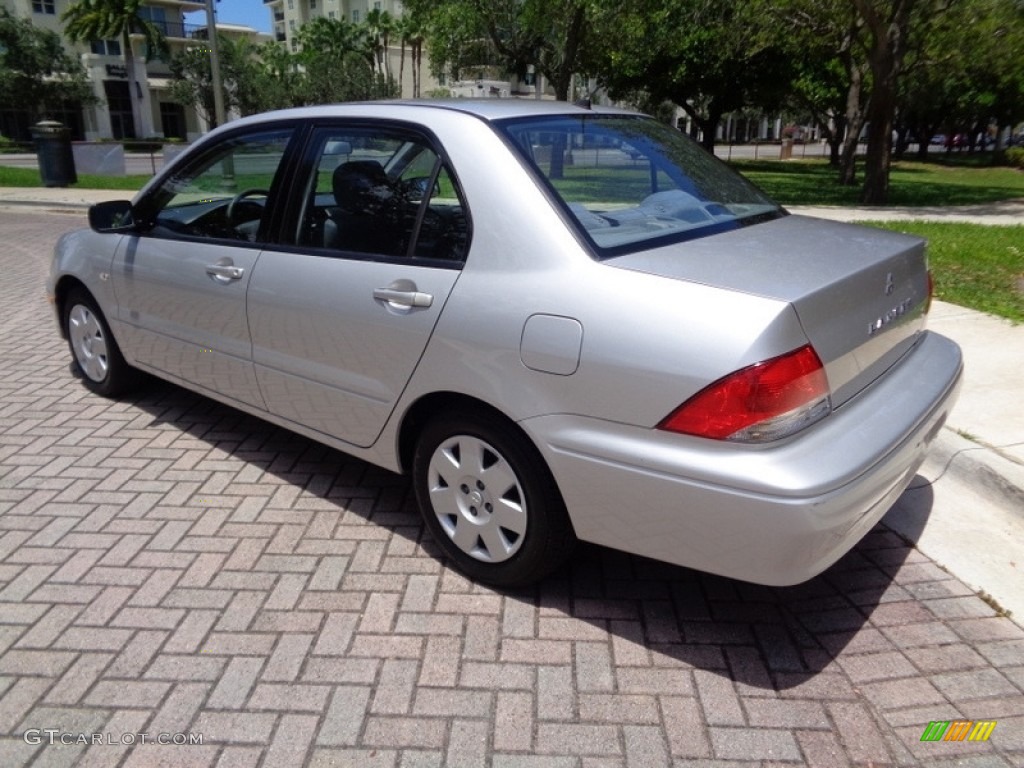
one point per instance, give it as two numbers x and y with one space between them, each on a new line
111 216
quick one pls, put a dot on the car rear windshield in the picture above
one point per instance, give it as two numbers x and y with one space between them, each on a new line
632 183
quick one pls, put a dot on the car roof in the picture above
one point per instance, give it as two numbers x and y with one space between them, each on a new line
485 109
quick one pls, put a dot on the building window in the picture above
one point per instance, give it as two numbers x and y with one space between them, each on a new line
331 14
106 47
312 5
376 6
291 5
44 6
355 17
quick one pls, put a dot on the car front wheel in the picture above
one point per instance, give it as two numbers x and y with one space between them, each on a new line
489 500
93 349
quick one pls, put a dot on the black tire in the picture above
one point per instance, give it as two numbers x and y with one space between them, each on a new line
489 500
95 353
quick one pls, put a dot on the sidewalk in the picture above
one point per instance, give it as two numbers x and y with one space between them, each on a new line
980 450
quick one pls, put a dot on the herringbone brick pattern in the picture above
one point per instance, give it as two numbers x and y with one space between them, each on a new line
170 566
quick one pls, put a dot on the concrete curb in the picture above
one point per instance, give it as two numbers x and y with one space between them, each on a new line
982 467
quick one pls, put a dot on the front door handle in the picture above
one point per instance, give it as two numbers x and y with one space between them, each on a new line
403 298
224 271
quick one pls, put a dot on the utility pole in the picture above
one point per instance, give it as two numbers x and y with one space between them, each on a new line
218 88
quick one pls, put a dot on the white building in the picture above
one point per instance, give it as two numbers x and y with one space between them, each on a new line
104 63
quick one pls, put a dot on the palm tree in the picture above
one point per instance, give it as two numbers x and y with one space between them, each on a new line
379 26
402 27
414 33
88 20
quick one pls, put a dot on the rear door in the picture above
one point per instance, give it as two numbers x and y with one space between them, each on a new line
181 283
341 311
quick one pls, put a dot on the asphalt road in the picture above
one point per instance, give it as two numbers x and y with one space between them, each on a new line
171 566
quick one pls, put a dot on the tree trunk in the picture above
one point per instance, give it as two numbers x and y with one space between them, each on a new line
134 89
886 61
879 157
401 69
854 124
708 124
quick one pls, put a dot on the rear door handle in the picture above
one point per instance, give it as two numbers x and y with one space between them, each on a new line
403 298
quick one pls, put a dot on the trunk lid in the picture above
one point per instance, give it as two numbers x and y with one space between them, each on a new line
860 293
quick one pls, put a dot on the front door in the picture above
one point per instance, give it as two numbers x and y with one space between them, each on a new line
181 284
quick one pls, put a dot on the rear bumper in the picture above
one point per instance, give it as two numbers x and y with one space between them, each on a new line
773 515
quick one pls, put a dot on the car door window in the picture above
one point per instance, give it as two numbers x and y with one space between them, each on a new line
222 194
380 194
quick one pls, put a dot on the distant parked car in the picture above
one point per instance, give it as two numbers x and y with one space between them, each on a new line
939 140
628 344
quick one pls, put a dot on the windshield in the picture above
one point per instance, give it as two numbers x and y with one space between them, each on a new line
631 182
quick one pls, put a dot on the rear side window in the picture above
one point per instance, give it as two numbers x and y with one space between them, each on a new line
383 194
631 183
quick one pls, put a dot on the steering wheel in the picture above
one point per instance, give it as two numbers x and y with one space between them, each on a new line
229 212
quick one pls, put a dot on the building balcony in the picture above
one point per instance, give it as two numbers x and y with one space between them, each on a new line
175 30
186 6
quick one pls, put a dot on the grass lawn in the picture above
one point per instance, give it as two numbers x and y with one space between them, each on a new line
29 177
813 182
974 265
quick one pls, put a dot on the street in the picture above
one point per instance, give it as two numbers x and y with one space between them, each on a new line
171 566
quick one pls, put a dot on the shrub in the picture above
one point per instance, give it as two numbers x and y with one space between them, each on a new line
1015 157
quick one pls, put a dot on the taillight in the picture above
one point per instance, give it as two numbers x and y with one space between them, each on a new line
765 401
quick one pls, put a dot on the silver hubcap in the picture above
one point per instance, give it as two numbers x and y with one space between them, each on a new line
477 499
88 342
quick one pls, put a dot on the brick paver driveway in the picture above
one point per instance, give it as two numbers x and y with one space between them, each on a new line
171 566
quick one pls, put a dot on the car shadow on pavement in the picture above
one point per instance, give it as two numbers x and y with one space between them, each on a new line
652 614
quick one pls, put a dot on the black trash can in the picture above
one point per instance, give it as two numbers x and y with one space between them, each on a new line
53 149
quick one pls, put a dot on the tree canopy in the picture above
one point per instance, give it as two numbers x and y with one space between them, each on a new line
35 72
857 68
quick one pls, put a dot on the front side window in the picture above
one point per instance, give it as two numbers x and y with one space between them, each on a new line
380 194
222 194
632 182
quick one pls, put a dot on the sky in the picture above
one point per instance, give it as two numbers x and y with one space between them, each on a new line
250 13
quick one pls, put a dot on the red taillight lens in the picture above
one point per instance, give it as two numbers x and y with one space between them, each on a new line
763 402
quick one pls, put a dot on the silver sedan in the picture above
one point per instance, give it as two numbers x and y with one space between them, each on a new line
564 323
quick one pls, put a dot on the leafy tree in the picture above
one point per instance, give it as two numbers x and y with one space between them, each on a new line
340 62
552 36
254 78
966 73
707 57
88 20
35 72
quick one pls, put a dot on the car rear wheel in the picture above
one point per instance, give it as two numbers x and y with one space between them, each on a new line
489 500
93 349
